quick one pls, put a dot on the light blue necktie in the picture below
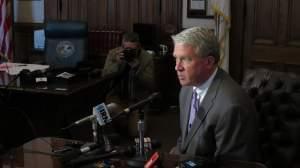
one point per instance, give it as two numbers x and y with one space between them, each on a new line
194 108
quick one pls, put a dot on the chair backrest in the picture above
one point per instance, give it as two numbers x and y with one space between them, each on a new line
65 43
277 99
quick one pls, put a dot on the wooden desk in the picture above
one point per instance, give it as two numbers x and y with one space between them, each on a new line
34 154
45 111
38 154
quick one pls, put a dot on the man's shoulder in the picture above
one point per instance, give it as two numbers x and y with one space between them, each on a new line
146 57
146 53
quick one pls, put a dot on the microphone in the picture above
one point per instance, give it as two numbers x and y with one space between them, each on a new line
142 102
101 113
127 151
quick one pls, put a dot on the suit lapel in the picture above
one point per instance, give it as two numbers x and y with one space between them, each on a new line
204 109
186 114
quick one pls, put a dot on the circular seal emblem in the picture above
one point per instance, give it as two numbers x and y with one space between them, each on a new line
65 49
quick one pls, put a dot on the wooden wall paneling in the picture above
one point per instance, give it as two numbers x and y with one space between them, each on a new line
179 14
92 17
125 15
72 10
149 12
265 22
163 8
120 14
294 24
144 11
112 15
78 9
270 27
51 9
134 13
83 9
64 10
103 15
248 33
157 11
283 22
170 14
84 15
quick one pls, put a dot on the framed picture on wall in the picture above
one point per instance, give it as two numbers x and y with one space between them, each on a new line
197 9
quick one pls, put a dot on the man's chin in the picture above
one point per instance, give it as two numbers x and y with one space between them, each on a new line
184 83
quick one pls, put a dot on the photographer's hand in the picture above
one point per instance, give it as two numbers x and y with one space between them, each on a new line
120 55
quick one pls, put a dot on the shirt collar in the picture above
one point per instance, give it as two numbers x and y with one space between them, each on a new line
206 84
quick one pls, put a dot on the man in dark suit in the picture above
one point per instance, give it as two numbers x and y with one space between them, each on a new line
217 118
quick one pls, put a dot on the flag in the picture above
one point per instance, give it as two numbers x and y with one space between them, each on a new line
221 11
6 30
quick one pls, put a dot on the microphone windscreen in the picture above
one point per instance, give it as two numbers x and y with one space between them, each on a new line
113 109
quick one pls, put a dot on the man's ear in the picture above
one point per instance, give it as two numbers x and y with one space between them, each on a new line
211 60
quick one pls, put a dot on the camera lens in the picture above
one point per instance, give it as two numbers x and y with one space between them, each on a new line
129 54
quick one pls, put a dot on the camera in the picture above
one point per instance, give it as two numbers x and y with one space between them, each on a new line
129 54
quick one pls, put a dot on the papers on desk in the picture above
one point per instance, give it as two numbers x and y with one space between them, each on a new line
16 68
65 75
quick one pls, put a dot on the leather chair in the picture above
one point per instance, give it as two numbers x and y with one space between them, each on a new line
277 99
66 43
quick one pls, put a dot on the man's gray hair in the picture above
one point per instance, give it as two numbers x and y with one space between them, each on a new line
202 39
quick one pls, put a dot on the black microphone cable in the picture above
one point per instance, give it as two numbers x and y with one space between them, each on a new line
126 151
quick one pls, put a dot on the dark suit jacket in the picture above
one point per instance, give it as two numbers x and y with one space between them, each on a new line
225 126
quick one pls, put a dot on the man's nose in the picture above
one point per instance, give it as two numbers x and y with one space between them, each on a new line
178 66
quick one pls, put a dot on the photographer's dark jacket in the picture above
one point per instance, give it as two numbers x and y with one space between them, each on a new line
142 80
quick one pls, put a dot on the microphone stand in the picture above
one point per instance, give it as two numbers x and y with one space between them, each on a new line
105 139
95 131
141 129
140 159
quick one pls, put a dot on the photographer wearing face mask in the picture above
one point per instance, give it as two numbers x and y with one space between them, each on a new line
137 68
